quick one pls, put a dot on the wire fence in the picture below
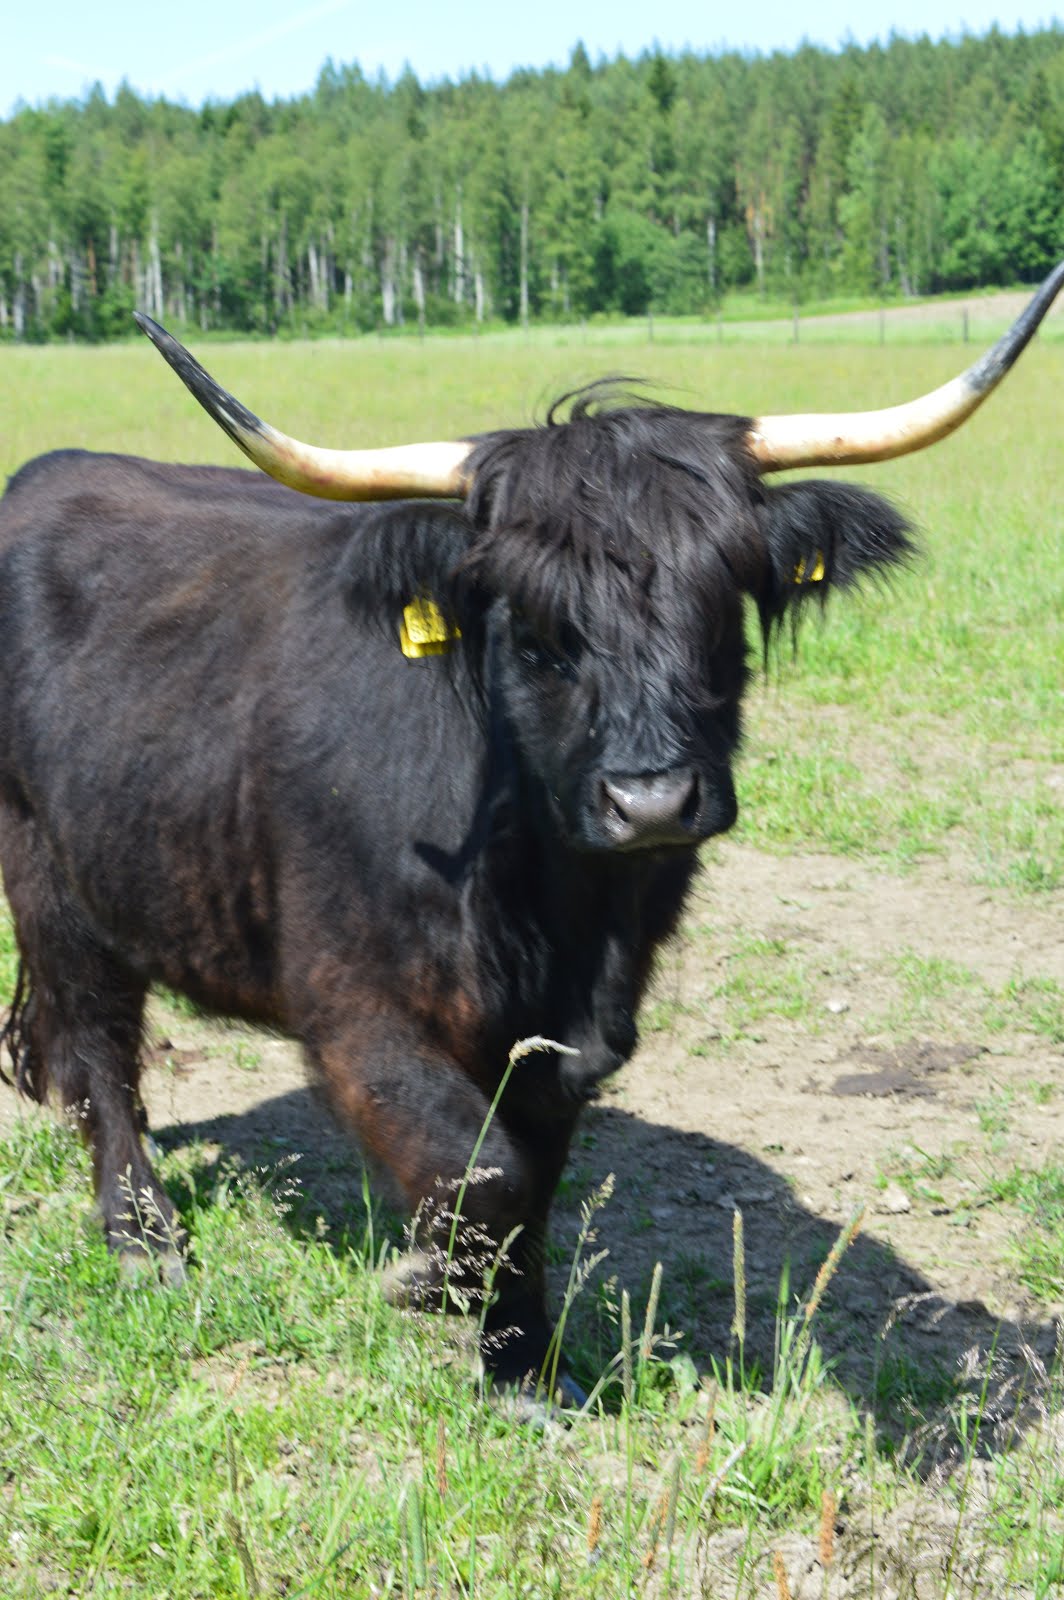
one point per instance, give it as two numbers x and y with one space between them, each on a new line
952 326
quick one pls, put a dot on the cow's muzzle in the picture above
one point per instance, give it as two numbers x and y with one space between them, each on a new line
639 811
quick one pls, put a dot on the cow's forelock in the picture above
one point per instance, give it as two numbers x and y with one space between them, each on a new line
619 527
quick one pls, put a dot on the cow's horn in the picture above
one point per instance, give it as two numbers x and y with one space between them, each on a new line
418 471
817 441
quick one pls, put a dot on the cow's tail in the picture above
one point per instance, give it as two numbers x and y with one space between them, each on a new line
15 1040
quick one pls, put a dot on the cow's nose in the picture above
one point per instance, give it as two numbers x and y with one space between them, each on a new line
650 808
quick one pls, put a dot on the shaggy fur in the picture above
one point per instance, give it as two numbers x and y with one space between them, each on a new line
219 772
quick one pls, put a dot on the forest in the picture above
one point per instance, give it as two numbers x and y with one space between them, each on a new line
613 187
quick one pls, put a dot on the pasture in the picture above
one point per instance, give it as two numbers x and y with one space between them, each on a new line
856 1047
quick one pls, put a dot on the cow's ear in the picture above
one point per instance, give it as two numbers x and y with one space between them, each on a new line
398 553
819 536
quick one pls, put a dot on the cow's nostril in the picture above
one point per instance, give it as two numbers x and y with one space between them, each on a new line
692 802
613 803
649 807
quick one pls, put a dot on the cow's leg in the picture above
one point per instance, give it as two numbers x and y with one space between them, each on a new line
418 1116
77 1034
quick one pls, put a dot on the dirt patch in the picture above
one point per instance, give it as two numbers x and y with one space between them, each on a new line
903 1069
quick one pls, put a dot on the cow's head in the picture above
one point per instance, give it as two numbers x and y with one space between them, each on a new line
606 559
615 550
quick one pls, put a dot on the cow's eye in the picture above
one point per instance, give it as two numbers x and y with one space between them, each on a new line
541 655
532 650
534 653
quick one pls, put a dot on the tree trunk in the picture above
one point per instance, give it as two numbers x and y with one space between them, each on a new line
18 309
459 252
282 298
264 270
216 283
156 306
438 257
179 299
76 282
758 230
419 289
312 265
366 288
524 265
388 282
138 278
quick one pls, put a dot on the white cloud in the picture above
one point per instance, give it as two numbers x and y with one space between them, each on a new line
80 68
250 42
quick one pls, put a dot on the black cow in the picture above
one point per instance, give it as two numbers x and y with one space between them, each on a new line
409 782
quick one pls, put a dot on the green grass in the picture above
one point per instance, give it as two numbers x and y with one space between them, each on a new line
1039 1198
8 954
938 995
273 1428
766 978
772 979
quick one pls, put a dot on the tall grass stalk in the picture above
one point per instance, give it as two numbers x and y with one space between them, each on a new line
738 1326
523 1048
581 1266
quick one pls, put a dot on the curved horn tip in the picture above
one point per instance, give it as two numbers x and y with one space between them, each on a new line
152 329
778 443
422 471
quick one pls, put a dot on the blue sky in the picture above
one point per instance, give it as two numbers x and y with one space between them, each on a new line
192 50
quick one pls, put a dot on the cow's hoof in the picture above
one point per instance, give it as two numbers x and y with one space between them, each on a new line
568 1393
140 1265
173 1268
534 1391
529 1403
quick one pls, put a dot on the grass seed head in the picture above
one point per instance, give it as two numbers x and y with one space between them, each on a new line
594 1524
828 1509
739 1276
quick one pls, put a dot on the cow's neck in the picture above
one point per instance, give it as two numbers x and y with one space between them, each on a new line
573 934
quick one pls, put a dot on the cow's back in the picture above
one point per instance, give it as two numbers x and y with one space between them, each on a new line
217 750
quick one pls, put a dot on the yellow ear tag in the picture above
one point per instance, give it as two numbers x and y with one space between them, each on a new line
423 630
816 575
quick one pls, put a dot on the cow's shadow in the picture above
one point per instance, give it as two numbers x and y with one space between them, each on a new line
906 1354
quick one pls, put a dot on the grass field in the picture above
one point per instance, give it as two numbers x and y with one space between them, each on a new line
273 1429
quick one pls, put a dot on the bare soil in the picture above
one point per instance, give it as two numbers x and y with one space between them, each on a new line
798 1123
802 1124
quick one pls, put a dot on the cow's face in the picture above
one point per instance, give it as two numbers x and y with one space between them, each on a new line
630 739
618 551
